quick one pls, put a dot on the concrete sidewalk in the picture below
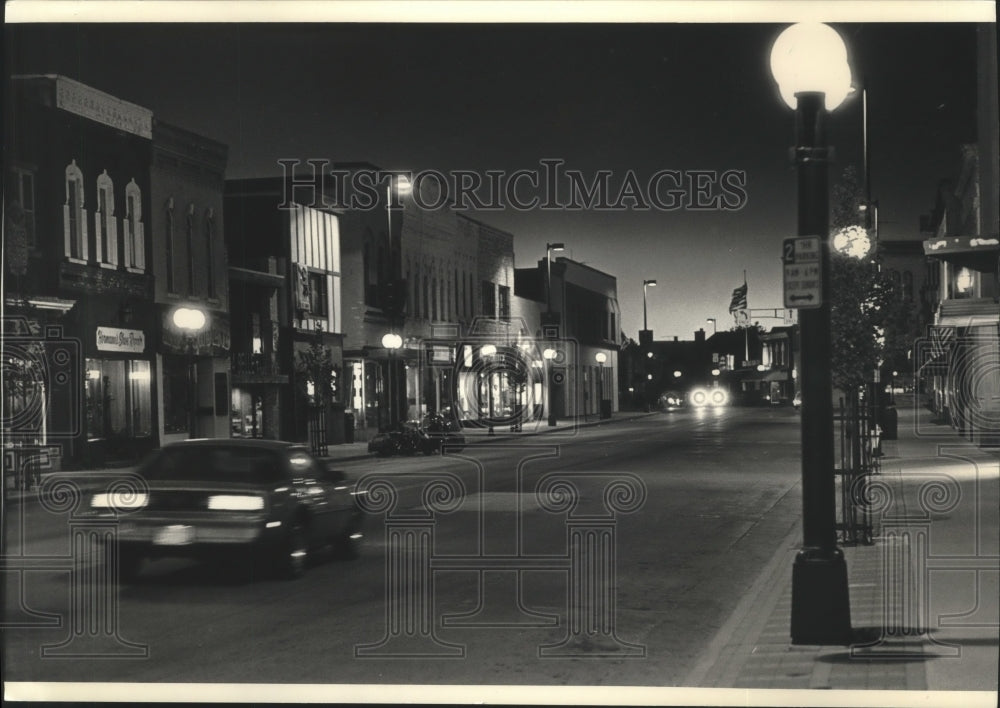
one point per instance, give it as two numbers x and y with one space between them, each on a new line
925 592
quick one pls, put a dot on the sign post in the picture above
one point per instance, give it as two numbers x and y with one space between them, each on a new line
803 286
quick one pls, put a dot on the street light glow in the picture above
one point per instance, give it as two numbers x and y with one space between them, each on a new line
488 350
392 341
811 56
554 247
852 241
549 353
189 319
601 357
403 185
648 282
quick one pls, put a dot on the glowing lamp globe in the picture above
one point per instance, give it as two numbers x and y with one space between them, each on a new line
811 56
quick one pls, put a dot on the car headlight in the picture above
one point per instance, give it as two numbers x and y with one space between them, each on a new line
699 397
719 397
235 502
119 500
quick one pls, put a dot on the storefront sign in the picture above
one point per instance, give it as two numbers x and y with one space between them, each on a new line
96 105
214 340
112 339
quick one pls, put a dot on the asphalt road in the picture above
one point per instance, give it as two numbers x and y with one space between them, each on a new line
519 578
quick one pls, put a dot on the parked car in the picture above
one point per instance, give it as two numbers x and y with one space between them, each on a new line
428 436
264 502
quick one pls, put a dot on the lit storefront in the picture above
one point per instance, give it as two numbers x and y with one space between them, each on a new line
118 394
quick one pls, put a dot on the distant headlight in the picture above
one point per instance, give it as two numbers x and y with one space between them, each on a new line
119 500
719 397
235 502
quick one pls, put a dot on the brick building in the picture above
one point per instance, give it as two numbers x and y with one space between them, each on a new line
77 191
188 262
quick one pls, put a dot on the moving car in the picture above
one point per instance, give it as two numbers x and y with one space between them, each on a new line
255 501
797 401
671 400
714 397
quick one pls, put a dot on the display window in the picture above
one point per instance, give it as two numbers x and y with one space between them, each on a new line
118 399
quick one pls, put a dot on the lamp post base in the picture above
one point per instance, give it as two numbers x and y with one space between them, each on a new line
821 610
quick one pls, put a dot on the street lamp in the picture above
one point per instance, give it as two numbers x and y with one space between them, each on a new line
601 357
549 355
487 352
190 321
809 63
712 320
391 342
645 284
549 248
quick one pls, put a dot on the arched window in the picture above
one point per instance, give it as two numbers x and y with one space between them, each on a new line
210 251
105 224
75 216
427 304
189 230
169 244
135 243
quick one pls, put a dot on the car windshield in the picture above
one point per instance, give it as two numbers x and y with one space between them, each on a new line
216 464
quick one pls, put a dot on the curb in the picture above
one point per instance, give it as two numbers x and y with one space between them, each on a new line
486 439
89 482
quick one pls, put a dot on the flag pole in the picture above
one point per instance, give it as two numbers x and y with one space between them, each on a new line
746 327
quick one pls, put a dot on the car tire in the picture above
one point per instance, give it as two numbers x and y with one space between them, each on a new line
129 565
294 552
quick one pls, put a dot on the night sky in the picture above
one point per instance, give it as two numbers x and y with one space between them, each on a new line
642 97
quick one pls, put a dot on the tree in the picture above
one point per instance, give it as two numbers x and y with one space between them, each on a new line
870 322
317 365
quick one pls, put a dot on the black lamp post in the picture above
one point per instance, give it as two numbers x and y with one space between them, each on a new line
601 357
809 63
645 284
391 342
549 248
190 321
549 356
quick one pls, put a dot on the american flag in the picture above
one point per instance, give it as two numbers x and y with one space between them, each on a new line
739 301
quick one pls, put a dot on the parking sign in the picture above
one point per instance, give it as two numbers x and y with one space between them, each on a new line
803 285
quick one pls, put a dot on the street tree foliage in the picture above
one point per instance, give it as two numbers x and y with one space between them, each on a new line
317 365
871 323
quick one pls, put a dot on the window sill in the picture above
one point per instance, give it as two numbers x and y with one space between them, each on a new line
109 266
138 271
78 261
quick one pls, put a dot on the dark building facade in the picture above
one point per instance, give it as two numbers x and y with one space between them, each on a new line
78 255
190 271
580 324
286 305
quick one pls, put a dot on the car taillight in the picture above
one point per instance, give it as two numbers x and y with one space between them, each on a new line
235 502
119 501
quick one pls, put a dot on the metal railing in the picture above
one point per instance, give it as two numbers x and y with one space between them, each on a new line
859 443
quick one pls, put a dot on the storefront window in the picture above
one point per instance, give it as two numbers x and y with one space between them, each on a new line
118 407
140 399
175 394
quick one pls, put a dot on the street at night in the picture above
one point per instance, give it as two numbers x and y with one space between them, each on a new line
721 495
534 352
